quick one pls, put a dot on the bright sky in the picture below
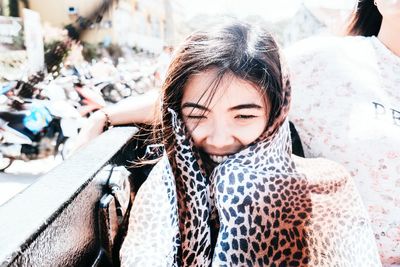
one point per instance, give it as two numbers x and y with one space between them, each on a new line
271 10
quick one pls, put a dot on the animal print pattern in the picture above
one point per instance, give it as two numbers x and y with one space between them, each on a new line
265 208
275 211
153 236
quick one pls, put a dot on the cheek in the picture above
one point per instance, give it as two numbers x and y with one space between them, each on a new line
198 132
249 133
390 9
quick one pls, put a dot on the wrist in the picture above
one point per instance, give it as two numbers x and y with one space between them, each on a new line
107 124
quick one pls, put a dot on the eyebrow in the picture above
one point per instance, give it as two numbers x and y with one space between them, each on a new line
194 105
238 107
245 106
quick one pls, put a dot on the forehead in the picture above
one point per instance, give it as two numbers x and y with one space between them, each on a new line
202 88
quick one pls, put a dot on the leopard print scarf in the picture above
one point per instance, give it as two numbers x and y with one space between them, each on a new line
199 217
258 208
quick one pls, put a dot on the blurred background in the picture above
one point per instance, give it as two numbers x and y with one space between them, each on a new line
62 60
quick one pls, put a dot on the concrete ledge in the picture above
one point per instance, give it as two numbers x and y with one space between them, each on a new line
60 204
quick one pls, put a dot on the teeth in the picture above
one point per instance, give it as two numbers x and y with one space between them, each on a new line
218 159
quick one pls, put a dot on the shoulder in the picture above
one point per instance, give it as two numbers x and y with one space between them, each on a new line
312 44
321 171
323 47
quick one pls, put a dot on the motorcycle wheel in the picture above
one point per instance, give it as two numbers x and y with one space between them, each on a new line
5 163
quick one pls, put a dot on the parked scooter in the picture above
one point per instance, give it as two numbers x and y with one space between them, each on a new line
36 132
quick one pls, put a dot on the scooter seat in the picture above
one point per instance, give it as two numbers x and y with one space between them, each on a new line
13 117
15 120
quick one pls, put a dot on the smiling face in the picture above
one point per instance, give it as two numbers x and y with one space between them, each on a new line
235 117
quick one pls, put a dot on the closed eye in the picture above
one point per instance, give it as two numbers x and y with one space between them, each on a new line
245 117
196 117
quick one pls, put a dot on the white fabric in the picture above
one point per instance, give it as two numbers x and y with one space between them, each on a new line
346 107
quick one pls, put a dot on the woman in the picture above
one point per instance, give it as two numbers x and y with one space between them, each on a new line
227 191
346 107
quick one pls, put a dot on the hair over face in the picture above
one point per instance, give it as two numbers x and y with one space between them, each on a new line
246 51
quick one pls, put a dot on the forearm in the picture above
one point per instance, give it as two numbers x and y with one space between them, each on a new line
137 109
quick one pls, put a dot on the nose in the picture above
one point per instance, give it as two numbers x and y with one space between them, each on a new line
221 137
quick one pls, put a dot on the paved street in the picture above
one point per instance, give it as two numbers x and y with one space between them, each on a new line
22 174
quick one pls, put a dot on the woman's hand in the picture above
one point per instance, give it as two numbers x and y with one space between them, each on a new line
135 109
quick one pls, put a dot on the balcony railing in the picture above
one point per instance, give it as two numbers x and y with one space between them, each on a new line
70 216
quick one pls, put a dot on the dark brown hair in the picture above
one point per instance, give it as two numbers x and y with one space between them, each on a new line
249 52
366 20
